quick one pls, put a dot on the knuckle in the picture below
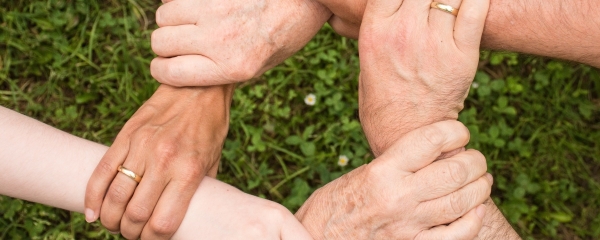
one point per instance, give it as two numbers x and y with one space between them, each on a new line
172 72
137 214
432 135
160 20
458 173
105 168
457 204
109 224
129 233
166 151
485 188
142 133
478 157
192 175
155 42
118 194
376 172
163 226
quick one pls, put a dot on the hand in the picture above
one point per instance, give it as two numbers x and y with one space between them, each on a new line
173 141
417 64
213 42
220 211
347 16
404 194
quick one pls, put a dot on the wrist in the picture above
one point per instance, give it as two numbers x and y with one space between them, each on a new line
384 122
495 225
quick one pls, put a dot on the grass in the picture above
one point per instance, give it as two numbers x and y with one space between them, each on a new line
82 66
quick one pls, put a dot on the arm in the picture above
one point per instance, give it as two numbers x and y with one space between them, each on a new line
396 95
213 42
173 140
54 166
552 28
176 137
404 194
420 75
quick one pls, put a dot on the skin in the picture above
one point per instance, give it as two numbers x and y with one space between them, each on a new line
548 28
426 78
564 28
213 44
165 141
394 80
388 205
61 164
173 141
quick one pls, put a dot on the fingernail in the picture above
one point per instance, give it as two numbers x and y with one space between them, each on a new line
89 215
490 177
480 211
117 232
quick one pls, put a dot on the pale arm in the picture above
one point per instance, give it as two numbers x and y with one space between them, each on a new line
48 166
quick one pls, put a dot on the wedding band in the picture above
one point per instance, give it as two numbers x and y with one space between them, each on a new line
445 8
129 173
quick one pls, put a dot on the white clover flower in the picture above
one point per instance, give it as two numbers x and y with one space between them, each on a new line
310 99
343 160
475 85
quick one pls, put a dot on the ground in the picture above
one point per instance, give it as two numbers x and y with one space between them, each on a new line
82 66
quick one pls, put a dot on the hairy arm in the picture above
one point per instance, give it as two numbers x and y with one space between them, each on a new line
560 29
553 28
414 73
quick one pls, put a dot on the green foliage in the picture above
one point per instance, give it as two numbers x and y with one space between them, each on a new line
82 66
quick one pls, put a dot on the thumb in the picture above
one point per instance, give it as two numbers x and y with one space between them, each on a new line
189 70
469 25
422 146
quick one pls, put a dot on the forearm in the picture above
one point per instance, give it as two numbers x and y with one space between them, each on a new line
53 167
45 165
554 28
390 121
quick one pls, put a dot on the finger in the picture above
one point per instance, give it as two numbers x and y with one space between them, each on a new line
173 13
142 204
189 70
170 210
173 41
452 206
117 197
344 28
443 22
450 154
120 192
103 176
469 25
466 227
422 146
446 176
383 8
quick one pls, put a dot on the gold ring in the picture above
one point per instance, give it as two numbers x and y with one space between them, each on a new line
445 8
129 173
